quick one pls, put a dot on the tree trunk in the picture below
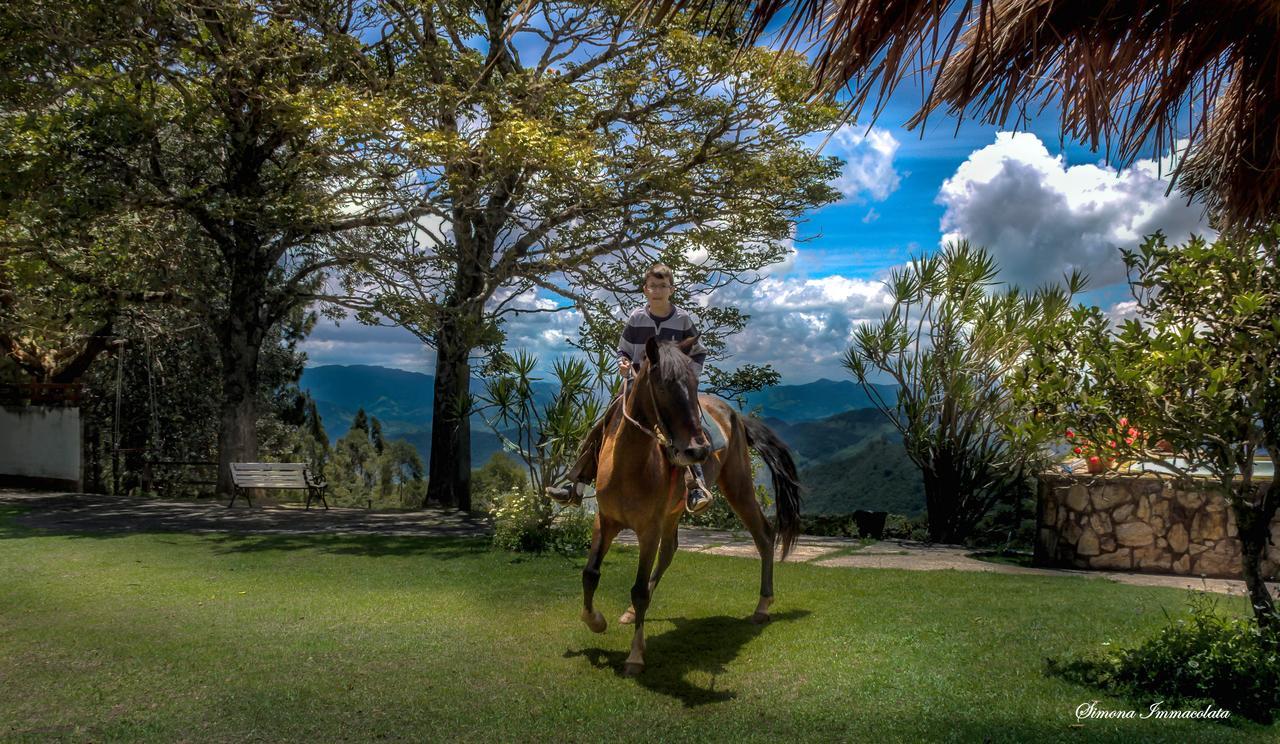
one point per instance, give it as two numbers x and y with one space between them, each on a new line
942 497
449 477
241 340
940 502
1253 526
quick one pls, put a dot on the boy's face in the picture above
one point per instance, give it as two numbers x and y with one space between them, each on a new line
657 290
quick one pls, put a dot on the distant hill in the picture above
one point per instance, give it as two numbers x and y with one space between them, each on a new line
815 441
849 456
404 398
875 474
401 400
815 400
853 460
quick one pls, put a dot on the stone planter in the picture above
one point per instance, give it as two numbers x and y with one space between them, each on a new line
1140 523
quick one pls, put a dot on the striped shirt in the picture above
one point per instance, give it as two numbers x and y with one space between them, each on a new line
643 325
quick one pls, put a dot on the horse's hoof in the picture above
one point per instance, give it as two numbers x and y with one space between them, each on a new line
627 617
595 621
632 669
759 618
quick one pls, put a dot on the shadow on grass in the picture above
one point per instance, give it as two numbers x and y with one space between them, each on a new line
443 548
704 645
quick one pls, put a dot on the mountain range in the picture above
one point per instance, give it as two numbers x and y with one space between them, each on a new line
849 455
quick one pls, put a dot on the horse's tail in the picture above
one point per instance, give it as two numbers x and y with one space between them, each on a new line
786 482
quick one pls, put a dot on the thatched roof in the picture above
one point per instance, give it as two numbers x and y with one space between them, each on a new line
1127 74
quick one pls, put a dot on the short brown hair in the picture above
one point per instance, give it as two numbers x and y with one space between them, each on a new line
659 271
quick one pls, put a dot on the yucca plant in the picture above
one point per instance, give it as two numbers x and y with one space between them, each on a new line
545 434
950 344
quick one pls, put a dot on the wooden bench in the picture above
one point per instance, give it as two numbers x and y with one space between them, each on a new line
292 475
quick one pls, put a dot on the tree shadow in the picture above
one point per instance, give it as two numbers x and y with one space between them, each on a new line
706 645
341 532
428 546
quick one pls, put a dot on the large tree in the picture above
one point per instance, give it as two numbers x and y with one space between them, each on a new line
567 148
259 135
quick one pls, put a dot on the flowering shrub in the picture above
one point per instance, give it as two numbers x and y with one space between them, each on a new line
524 522
1102 451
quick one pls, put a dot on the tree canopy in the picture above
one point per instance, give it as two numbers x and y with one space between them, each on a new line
234 153
563 148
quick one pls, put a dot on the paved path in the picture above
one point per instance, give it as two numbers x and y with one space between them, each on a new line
63 512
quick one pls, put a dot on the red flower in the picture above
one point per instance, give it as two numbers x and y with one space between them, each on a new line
1111 443
1070 434
1077 450
1128 440
1133 432
1124 421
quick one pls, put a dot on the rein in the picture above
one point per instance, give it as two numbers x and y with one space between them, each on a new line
657 433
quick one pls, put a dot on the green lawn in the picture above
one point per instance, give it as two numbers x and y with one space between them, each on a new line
170 637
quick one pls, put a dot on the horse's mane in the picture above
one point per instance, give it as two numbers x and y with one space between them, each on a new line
673 365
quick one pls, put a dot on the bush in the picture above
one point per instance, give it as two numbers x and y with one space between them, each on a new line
493 480
1204 658
829 525
571 532
525 522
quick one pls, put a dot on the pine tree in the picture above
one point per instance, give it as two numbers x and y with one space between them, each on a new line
375 437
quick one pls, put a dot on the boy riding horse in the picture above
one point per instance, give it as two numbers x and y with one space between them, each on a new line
662 320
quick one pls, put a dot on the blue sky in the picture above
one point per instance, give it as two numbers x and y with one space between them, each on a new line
1040 205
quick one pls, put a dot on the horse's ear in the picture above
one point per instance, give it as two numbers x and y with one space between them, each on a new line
651 350
687 345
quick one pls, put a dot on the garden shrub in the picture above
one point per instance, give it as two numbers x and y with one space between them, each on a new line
493 480
829 525
571 532
1204 658
525 522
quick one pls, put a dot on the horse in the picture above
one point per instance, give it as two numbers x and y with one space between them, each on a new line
650 438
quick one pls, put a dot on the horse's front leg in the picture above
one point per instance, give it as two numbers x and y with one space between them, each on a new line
640 594
601 538
667 551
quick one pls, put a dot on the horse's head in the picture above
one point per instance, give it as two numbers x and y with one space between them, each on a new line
671 378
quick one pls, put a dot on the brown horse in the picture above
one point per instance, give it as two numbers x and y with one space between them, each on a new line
647 445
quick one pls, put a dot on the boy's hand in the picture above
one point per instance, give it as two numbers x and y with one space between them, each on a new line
624 367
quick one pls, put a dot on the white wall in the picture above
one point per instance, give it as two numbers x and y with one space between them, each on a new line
40 442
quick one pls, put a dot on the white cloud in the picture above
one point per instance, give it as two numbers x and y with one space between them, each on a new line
1122 311
868 171
1041 218
801 326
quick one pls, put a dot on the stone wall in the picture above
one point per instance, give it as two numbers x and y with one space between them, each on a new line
1140 523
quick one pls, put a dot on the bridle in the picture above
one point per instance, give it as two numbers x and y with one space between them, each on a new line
663 439
657 432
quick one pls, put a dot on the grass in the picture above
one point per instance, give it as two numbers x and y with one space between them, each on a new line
164 637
